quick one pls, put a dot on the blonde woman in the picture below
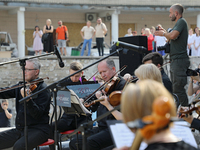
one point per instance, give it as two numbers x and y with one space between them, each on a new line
150 39
137 103
148 71
48 43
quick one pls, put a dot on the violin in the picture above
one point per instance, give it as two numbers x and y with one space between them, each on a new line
109 87
84 79
114 99
192 107
31 87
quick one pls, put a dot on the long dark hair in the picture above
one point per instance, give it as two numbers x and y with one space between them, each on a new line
37 27
195 31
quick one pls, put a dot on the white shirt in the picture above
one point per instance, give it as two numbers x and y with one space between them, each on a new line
100 30
88 32
160 41
191 38
197 40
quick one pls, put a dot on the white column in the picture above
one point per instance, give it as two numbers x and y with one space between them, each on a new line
21 31
115 26
198 20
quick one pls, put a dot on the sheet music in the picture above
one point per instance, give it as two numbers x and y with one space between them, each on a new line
184 133
75 99
124 137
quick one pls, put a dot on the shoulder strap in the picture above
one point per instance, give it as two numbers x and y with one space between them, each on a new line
64 28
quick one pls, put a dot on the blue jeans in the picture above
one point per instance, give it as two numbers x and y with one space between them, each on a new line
89 41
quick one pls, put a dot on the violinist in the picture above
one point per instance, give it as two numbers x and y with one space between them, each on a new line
159 108
67 121
187 116
37 113
100 136
193 87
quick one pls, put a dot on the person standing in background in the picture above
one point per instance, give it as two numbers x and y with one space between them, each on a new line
129 33
48 29
89 33
179 60
101 31
150 39
190 45
152 30
196 42
142 31
37 43
61 31
5 114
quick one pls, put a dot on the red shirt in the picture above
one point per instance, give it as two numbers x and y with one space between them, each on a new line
150 40
61 32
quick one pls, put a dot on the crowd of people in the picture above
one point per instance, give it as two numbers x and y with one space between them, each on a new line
147 105
43 39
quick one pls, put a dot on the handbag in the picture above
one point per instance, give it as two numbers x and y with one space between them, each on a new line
45 37
65 33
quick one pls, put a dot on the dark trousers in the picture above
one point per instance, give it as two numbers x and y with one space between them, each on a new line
97 140
15 138
100 46
178 68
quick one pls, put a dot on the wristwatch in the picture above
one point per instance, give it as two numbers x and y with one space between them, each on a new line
163 33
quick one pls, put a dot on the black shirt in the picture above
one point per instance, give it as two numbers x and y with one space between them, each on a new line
4 121
71 117
170 146
101 109
166 81
37 108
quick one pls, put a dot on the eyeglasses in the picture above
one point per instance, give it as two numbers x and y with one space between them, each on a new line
27 70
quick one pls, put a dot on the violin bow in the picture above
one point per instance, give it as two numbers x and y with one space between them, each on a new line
93 75
21 85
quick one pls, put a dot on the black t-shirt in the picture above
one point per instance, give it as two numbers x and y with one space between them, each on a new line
4 121
170 146
178 47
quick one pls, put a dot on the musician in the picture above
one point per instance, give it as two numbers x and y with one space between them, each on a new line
67 121
36 115
100 136
156 59
193 89
151 94
148 71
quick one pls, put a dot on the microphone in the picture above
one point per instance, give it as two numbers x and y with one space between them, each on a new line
139 49
61 63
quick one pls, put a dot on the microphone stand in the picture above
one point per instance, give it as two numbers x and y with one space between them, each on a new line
22 62
55 84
